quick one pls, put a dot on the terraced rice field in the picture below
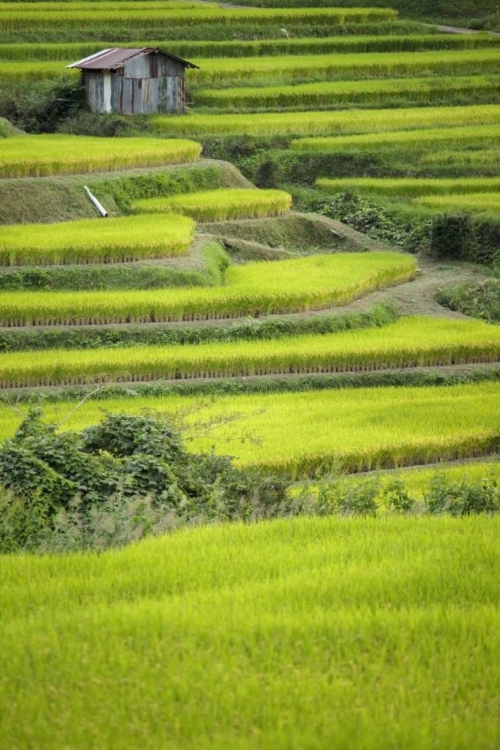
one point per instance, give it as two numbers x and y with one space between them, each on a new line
409 342
466 201
116 240
42 155
412 187
220 205
255 289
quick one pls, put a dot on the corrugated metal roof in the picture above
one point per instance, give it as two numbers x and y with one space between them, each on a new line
108 59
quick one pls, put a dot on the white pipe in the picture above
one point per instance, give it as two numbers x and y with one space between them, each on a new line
96 203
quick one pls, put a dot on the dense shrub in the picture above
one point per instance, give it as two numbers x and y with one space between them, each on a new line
41 106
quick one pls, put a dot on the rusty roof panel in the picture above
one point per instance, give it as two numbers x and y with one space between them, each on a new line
109 59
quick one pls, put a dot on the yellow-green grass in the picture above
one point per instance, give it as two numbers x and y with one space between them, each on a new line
468 201
102 5
308 283
220 205
325 93
336 66
13 71
471 136
121 239
483 157
41 155
410 187
284 633
157 18
324 123
306 434
409 342
240 48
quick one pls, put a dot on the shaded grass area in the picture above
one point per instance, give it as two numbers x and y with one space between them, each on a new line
309 612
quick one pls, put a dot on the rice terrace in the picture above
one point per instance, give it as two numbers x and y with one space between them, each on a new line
249 375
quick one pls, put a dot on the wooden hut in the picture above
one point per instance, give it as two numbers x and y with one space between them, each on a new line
134 81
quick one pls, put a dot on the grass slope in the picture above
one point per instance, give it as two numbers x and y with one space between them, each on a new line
306 633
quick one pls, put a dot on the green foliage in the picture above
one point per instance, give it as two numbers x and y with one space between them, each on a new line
463 498
478 300
68 479
42 106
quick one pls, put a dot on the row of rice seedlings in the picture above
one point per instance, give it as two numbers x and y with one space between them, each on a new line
467 201
158 18
409 342
409 187
310 283
35 71
325 123
122 239
408 139
482 157
257 48
104 5
348 66
325 94
305 434
40 155
220 205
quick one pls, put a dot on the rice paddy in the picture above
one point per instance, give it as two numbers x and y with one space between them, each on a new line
220 205
326 94
412 187
324 123
200 624
409 342
42 155
115 240
254 289
466 201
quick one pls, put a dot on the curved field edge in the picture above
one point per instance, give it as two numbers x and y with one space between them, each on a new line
306 434
309 283
408 342
206 620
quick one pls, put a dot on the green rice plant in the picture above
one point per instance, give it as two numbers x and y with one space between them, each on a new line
293 68
42 155
104 5
304 434
409 187
324 94
115 240
475 136
239 48
198 625
482 157
153 17
220 205
14 72
308 283
409 342
327 123
467 201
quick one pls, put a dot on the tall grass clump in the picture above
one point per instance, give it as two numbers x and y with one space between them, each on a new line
410 187
220 205
410 342
328 123
43 155
315 282
115 240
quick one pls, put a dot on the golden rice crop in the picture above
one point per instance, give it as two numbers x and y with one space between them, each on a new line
338 67
126 238
308 283
408 139
220 205
14 71
409 342
303 434
482 157
466 201
325 93
154 17
39 155
324 123
240 48
410 186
